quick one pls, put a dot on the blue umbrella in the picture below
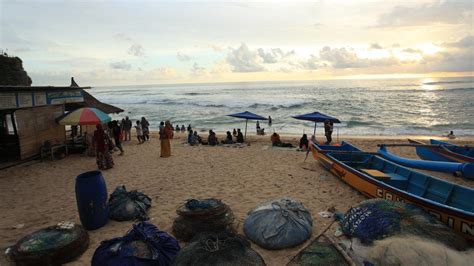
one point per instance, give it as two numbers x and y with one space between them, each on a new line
316 117
247 115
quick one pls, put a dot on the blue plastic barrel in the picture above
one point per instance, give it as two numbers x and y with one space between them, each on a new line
91 197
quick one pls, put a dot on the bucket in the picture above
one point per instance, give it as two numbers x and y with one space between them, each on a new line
91 197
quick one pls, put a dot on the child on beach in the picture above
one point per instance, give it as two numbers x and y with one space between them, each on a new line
304 143
138 127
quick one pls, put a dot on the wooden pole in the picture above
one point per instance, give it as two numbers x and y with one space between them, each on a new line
245 136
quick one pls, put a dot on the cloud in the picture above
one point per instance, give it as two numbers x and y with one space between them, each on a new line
344 58
122 65
466 42
457 56
341 58
183 57
198 70
273 55
136 50
243 59
162 73
215 47
412 51
122 37
442 12
375 46
313 62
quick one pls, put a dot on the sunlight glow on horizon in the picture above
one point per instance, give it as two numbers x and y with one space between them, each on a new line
192 42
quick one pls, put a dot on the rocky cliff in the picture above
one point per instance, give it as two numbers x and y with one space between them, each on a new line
12 72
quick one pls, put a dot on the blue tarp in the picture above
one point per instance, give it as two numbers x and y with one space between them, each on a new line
248 115
316 117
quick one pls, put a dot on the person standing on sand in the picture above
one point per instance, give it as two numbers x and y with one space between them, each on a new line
127 127
166 134
117 132
139 129
145 125
103 157
327 129
269 121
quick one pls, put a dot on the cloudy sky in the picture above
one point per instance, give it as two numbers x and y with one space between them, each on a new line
151 42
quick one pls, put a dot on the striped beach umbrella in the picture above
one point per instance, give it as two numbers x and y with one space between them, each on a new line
85 116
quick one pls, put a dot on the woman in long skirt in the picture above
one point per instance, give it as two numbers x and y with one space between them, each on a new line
166 134
103 157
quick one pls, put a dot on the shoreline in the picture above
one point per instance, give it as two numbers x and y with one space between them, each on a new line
468 138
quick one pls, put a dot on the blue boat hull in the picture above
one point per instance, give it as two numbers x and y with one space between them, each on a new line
465 151
459 169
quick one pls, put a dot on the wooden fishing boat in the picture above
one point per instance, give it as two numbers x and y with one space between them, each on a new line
441 152
455 168
376 177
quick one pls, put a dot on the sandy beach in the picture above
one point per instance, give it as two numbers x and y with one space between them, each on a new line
38 194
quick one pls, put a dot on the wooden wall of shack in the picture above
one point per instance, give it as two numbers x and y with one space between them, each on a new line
36 125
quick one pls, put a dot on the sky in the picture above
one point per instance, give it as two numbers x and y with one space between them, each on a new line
133 42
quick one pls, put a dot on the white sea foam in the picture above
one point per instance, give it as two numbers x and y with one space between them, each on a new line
366 107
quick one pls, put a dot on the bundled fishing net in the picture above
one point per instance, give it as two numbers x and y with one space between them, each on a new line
144 244
408 250
223 248
126 206
53 245
377 218
279 224
196 216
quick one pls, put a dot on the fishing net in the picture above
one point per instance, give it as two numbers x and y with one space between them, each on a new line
279 224
53 245
395 251
196 216
377 218
125 206
223 249
320 252
144 244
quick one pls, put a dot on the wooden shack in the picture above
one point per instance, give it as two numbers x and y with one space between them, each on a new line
28 118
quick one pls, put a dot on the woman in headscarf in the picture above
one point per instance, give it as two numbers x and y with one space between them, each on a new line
101 141
166 134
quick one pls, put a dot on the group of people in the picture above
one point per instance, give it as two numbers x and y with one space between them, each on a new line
106 140
183 129
212 140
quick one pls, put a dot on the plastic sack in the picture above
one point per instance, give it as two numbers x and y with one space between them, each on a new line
222 248
279 224
125 206
144 244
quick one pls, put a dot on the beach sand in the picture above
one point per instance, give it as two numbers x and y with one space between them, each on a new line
38 194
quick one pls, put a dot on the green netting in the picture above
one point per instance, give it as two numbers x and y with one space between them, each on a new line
53 245
319 252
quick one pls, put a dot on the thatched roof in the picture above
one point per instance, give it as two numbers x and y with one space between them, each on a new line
91 101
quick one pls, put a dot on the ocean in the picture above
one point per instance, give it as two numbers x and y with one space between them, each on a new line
365 107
